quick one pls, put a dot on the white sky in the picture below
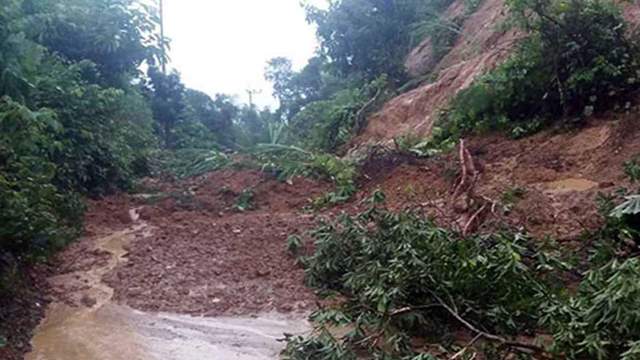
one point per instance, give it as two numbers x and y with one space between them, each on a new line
222 46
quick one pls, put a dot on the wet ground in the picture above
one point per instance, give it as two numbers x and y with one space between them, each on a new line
87 324
115 332
189 275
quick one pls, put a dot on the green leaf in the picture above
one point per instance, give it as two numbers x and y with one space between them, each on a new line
629 207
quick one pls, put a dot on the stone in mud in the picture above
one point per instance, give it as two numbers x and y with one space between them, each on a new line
88 301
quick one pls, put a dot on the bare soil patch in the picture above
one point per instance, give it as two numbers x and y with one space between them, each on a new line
206 257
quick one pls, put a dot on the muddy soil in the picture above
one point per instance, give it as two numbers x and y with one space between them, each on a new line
207 257
199 255
546 184
151 264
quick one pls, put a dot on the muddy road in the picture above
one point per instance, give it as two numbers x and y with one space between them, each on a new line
181 273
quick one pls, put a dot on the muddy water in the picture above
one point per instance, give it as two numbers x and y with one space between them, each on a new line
570 185
100 329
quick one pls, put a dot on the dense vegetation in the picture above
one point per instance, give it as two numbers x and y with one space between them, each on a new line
359 65
395 277
579 58
71 121
79 118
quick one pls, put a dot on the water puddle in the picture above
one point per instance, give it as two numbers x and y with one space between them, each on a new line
569 185
101 329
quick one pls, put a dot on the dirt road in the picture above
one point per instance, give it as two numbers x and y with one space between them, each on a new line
182 274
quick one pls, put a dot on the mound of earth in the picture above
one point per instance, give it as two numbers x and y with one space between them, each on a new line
207 257
546 184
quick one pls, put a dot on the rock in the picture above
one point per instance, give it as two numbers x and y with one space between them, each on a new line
88 301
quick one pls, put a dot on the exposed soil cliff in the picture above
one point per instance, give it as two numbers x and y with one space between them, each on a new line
483 43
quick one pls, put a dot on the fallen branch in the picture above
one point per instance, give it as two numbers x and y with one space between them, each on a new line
359 125
466 348
537 350
463 178
472 219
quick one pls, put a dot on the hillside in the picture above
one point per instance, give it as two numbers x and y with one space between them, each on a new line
482 44
443 180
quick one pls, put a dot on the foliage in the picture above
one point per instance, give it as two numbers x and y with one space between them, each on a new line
216 115
513 195
399 273
579 58
630 207
245 200
421 147
293 89
184 163
368 38
632 169
35 215
359 64
167 103
326 125
602 321
294 244
190 119
253 126
72 122
290 161
323 346
116 35
441 31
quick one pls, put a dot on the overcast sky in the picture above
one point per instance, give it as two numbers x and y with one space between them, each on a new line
222 46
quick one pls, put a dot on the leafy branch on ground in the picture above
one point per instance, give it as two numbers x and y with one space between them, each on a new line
399 275
287 162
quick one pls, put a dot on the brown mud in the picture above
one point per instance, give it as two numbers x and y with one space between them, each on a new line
556 174
188 249
87 324
184 252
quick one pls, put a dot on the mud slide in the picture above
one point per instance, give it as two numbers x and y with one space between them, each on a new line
102 329
168 280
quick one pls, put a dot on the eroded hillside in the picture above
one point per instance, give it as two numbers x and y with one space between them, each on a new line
484 41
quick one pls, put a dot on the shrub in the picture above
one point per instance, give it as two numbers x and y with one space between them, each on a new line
326 125
603 320
632 169
290 161
35 215
245 200
579 58
400 274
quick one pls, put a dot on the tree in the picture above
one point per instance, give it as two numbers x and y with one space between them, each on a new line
294 90
116 35
216 115
367 38
167 102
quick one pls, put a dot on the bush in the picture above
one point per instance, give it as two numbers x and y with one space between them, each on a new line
35 215
400 274
326 125
72 126
287 162
603 320
579 58
632 169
